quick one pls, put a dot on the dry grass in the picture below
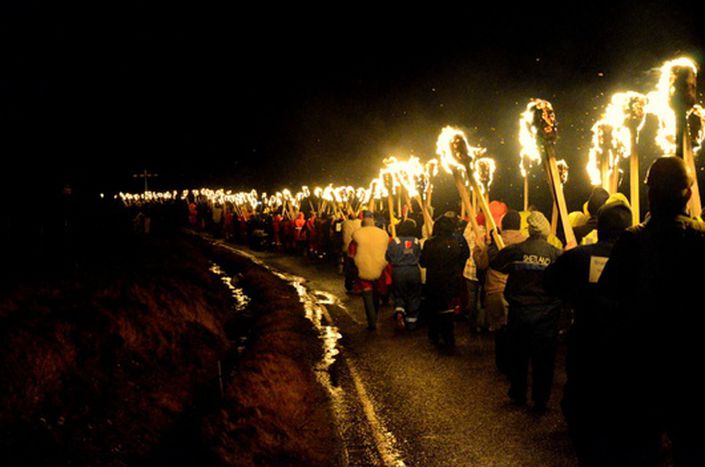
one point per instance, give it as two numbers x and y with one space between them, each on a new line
117 365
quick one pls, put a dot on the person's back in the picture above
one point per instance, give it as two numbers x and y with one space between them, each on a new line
574 278
525 263
444 257
655 282
657 349
371 247
403 254
533 313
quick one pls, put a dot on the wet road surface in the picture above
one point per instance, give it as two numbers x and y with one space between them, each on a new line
400 402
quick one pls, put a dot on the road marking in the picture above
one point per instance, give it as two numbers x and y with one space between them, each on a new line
384 440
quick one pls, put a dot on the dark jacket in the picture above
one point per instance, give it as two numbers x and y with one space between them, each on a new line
574 279
574 276
654 277
444 259
525 264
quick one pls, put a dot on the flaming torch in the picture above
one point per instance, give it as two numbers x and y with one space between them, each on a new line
484 172
456 154
615 136
601 154
540 115
529 154
430 170
629 109
388 181
673 98
682 99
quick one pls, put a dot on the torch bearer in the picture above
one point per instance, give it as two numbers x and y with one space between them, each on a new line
456 153
389 185
544 126
682 98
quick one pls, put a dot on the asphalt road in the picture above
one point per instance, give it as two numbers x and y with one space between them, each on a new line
400 402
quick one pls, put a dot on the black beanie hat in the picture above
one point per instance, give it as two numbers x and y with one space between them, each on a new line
598 197
511 220
612 219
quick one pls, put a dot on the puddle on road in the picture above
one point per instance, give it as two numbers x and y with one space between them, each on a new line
315 311
238 294
240 302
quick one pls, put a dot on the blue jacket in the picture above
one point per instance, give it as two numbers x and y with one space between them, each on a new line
404 251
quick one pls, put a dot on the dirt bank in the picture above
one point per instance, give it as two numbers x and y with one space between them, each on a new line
117 364
277 413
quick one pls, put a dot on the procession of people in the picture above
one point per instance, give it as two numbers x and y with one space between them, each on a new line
621 280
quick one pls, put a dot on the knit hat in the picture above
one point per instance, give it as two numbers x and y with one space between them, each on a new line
511 220
598 197
538 225
612 219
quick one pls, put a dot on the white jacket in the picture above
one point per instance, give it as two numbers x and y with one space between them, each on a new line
349 226
372 245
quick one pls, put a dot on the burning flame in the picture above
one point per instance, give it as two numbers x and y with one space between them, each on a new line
484 172
538 120
696 123
454 151
659 102
406 174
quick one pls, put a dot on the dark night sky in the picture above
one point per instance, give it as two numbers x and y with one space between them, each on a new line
276 96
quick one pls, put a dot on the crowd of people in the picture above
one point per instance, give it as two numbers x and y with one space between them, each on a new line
632 344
